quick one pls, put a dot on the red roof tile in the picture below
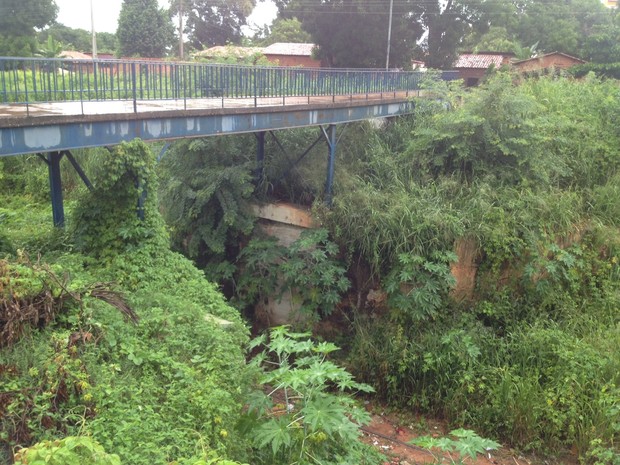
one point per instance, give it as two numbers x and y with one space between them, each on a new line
286 48
478 60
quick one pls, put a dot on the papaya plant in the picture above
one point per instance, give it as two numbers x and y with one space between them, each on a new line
304 412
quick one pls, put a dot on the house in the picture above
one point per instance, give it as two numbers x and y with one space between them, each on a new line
549 61
473 66
292 54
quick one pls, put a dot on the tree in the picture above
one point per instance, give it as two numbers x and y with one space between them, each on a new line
19 20
79 39
576 27
353 33
50 49
446 25
497 39
214 22
106 42
603 45
285 30
144 29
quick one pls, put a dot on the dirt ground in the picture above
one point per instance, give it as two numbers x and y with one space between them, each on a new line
390 434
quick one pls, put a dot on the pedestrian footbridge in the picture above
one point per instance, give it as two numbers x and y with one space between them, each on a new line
52 106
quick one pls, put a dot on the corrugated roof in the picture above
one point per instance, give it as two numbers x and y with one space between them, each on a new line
288 48
478 60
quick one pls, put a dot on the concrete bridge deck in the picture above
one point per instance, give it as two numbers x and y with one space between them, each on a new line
58 126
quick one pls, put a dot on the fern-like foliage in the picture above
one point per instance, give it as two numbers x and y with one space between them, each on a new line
205 187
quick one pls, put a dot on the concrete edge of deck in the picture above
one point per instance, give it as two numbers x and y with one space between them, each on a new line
67 132
44 114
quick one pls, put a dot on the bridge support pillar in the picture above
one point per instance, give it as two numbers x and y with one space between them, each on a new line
53 166
260 157
331 142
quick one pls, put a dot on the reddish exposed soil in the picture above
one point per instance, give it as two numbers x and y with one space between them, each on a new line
388 434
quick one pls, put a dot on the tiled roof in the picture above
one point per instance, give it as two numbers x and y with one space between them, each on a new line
229 50
75 55
286 48
478 60
575 59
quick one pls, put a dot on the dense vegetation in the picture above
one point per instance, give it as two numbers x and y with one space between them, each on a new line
522 183
512 189
112 342
472 250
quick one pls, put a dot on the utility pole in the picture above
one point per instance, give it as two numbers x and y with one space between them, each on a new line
92 28
389 38
181 54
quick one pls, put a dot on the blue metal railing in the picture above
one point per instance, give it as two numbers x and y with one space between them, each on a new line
39 80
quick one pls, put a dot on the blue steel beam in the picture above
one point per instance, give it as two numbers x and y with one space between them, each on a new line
78 169
260 157
53 165
331 162
58 133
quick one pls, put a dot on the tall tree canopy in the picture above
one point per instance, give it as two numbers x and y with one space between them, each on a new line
354 33
603 43
576 27
79 39
446 24
144 29
283 30
214 22
19 20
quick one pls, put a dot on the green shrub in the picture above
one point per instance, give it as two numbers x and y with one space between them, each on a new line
466 444
68 451
307 270
167 389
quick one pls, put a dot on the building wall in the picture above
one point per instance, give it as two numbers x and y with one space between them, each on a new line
471 76
294 60
549 61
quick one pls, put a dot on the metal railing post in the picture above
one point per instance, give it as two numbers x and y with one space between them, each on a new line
255 78
133 85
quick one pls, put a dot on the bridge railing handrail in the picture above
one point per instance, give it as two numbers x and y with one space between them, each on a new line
43 80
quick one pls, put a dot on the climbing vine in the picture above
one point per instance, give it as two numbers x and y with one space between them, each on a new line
120 213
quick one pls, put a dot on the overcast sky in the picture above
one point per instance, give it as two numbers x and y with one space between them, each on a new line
76 13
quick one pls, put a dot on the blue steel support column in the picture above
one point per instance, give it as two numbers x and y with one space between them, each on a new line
260 156
331 141
53 164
